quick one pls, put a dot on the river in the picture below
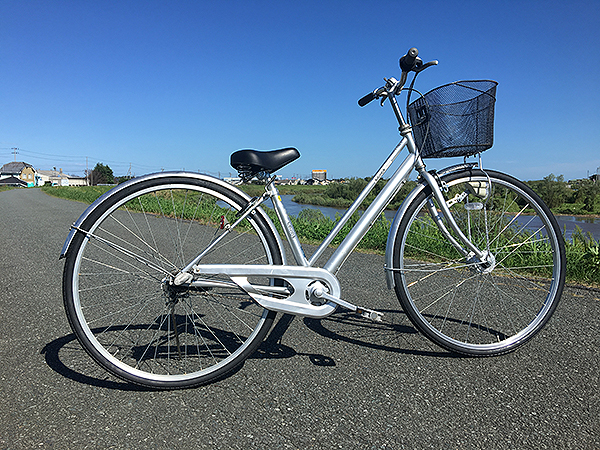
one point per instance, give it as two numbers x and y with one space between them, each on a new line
566 223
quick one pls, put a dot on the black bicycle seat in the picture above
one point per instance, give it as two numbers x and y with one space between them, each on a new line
252 162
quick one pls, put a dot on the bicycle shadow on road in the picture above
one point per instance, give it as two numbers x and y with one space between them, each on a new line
348 327
66 357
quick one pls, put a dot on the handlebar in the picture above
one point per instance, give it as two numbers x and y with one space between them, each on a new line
408 63
371 96
367 99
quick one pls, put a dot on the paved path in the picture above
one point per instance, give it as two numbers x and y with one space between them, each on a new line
335 383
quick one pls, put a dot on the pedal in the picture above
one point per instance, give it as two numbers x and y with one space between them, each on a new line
375 316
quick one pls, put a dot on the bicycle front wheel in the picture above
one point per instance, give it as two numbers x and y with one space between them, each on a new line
456 301
118 285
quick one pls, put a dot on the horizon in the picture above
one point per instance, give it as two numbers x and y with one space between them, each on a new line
233 174
181 86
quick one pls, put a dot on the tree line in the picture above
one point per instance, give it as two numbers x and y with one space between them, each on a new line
578 197
581 196
103 174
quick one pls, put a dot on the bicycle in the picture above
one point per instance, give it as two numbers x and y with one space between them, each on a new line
173 279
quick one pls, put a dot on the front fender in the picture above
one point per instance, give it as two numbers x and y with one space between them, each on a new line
389 248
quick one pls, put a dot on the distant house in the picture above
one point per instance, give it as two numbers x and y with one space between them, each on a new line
53 177
12 181
77 181
58 178
13 168
32 177
28 175
20 170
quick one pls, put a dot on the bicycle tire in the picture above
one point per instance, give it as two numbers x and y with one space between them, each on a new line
120 302
470 308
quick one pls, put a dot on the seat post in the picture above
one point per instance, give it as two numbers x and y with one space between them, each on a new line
286 223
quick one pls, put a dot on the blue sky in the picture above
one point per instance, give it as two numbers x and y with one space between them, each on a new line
177 85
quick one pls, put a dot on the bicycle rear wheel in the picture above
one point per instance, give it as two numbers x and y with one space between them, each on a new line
118 290
473 308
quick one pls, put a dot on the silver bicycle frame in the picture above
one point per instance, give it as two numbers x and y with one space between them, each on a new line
372 213
315 292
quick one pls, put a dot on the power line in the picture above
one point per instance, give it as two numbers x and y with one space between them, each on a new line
83 164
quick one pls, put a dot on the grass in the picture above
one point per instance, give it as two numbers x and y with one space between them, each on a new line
255 190
312 226
583 258
85 194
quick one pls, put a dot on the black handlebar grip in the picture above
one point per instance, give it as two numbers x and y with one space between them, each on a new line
407 62
366 99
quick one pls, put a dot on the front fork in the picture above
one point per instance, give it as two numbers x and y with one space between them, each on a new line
463 244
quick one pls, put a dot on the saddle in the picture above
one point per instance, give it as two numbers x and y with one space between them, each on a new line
250 163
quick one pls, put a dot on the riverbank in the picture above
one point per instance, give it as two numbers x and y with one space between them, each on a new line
322 200
583 256
580 200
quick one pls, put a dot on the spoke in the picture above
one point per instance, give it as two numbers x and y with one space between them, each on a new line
149 276
154 254
124 251
510 223
119 312
192 219
517 246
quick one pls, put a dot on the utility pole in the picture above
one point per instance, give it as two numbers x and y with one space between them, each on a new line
14 152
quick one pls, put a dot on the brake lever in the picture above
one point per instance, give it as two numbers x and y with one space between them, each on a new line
422 67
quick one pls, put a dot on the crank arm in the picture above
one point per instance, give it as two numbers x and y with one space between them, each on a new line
367 313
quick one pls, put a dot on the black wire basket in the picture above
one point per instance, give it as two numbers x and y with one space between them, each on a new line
455 119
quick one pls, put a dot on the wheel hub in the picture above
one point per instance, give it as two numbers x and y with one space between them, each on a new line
172 291
482 265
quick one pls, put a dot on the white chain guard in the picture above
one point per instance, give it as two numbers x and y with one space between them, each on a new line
298 277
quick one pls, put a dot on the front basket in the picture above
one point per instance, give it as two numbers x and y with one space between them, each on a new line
455 119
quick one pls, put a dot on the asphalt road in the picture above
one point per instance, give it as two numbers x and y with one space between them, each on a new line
335 383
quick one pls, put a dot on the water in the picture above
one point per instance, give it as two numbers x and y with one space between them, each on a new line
566 223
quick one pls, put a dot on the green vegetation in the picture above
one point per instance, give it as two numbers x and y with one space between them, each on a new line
341 195
6 188
583 251
312 226
581 197
583 258
85 194
255 190
102 174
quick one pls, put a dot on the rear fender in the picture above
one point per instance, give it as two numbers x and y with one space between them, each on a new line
81 222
